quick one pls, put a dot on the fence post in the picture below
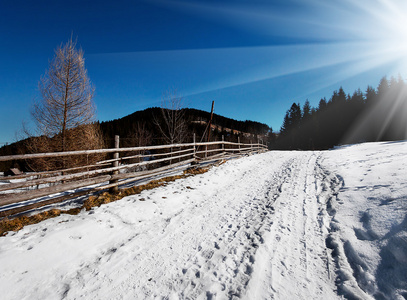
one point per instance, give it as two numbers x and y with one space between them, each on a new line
238 141
251 146
223 143
194 146
115 189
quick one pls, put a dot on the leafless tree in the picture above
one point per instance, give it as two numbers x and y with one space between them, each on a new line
172 124
139 135
65 112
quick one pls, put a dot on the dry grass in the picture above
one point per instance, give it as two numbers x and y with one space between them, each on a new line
15 224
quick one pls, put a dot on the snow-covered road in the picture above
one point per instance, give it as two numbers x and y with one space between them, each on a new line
253 228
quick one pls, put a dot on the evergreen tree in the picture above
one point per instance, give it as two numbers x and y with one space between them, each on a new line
375 115
291 127
307 127
370 95
322 104
306 110
355 107
394 124
383 89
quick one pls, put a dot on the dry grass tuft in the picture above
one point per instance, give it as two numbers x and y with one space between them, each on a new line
18 223
106 197
195 171
72 211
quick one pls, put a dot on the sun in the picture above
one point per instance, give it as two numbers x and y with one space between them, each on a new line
383 28
387 23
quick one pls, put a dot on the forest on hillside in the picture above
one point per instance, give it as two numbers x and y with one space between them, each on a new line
374 115
140 128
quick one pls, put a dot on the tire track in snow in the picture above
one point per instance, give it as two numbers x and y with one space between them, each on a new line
294 262
231 262
206 249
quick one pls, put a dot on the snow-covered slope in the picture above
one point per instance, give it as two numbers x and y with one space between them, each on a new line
370 223
280 225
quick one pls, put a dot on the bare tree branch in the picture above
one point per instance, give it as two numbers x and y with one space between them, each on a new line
172 124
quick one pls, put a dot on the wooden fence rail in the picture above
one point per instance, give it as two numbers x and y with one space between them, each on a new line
107 173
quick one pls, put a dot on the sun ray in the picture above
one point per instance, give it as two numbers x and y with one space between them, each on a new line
247 65
348 37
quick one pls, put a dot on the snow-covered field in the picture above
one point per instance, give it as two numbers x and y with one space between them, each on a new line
279 225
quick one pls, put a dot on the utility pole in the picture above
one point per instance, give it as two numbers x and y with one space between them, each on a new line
210 121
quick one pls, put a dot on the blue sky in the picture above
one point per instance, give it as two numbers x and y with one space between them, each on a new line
252 57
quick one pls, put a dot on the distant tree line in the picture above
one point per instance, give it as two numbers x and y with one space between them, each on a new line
376 115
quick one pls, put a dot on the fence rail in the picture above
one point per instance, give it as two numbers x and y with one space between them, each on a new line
135 164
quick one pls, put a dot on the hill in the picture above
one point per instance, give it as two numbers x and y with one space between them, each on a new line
139 128
19 147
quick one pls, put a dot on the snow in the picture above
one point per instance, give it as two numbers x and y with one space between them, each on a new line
278 225
371 217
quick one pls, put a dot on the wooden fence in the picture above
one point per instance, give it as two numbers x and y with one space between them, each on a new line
127 166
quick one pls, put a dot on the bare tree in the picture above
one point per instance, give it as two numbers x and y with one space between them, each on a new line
172 124
139 135
65 112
